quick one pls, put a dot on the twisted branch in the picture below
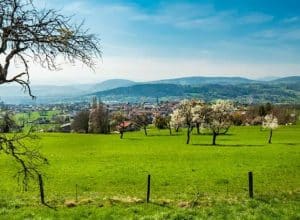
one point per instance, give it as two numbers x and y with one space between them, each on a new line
41 35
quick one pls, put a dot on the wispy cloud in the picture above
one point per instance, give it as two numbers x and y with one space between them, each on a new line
255 18
187 16
290 20
142 39
199 16
78 7
282 34
219 21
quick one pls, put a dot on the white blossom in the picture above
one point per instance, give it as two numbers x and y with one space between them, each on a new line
176 119
270 121
198 112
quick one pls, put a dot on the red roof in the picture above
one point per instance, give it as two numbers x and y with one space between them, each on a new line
125 124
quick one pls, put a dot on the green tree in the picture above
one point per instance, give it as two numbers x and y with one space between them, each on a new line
7 123
81 121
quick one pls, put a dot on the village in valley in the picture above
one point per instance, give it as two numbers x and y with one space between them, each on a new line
64 117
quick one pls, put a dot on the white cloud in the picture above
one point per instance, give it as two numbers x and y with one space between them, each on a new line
121 27
149 68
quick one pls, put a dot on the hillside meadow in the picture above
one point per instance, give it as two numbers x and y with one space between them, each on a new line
187 181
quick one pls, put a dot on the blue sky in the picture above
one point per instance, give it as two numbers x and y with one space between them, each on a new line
148 40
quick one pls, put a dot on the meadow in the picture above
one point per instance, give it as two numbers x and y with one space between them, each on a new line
196 181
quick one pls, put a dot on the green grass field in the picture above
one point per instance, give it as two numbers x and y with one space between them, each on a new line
188 181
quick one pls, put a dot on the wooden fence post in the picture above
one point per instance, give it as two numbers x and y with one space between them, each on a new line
148 189
76 195
250 179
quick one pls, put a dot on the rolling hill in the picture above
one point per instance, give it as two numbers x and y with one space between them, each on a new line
198 80
287 80
282 90
245 93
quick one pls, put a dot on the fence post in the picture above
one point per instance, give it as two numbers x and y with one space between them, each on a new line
148 188
41 184
250 179
76 195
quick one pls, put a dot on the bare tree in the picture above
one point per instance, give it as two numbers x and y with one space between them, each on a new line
118 121
29 159
99 119
42 36
27 33
141 120
162 122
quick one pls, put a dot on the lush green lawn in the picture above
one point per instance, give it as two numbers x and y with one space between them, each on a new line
188 181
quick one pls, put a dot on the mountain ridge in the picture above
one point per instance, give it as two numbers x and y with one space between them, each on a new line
52 93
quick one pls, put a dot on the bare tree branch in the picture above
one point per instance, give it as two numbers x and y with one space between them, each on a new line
29 159
41 35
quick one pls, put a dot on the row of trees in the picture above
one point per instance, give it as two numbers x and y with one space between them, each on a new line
216 118
255 114
95 120
99 120
197 114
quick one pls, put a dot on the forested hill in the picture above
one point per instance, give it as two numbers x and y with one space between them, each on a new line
246 92
282 90
287 80
150 90
198 80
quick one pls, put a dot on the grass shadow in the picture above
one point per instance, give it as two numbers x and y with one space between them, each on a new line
230 145
241 145
160 204
163 135
132 139
290 144
209 134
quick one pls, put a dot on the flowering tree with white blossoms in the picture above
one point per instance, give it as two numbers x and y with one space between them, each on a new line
199 113
270 122
219 118
183 115
176 120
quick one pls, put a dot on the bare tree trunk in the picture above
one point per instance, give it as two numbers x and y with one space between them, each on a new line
170 130
121 134
214 138
270 137
188 135
41 185
177 129
198 128
145 131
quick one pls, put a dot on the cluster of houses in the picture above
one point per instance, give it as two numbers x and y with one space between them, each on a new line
63 114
